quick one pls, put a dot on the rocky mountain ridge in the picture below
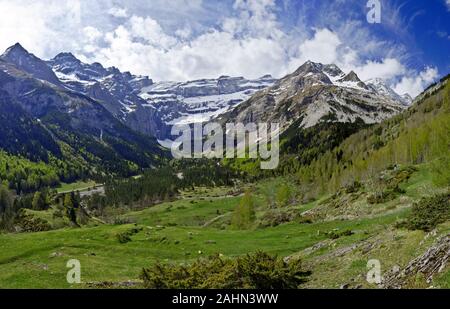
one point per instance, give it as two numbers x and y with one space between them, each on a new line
315 93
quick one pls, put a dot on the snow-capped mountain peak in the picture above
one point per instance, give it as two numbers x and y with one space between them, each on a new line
351 77
201 100
17 50
380 86
333 71
312 93
29 63
115 90
315 93
316 73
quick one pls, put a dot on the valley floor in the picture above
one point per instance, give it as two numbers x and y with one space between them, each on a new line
198 224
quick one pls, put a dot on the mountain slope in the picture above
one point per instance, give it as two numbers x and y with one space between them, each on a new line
29 63
419 135
200 100
335 212
116 91
315 93
79 124
380 86
22 135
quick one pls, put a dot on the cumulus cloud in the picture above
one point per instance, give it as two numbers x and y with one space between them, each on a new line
249 43
387 69
41 26
183 33
247 39
255 18
415 83
323 48
151 31
118 12
207 56
91 33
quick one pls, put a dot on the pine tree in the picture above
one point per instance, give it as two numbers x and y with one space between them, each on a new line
6 208
68 201
244 214
68 205
283 195
38 202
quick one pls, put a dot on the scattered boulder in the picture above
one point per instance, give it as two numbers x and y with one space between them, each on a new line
432 262
56 254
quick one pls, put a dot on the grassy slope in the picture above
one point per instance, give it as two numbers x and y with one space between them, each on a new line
176 232
77 186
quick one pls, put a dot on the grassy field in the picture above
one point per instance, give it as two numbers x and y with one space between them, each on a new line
198 225
76 186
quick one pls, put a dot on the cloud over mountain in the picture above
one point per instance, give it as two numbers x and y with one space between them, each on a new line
244 38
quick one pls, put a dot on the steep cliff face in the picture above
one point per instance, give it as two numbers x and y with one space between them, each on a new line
200 100
116 91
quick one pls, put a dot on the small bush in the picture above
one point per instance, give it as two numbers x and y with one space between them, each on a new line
283 196
253 271
276 217
125 237
382 197
30 224
336 234
400 176
305 220
428 213
353 188
390 182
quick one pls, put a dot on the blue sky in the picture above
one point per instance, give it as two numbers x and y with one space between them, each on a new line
190 39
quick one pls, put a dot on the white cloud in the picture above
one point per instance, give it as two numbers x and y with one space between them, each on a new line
255 18
387 69
209 55
41 26
178 44
118 12
250 43
414 84
150 30
323 48
184 33
92 33
448 4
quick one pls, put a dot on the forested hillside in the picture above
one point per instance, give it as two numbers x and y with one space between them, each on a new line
330 154
419 135
45 122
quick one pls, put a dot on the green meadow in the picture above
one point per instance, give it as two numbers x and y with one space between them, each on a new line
197 224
